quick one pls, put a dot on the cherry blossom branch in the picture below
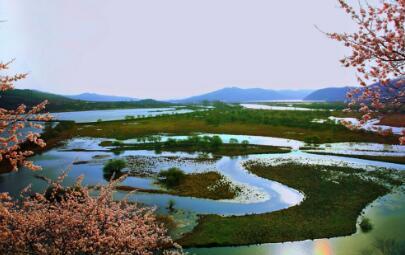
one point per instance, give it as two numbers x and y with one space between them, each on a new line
378 55
13 123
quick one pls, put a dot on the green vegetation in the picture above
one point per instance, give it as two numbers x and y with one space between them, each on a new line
204 144
235 120
365 225
13 98
171 177
390 159
54 130
209 185
112 169
312 139
294 119
114 165
385 246
334 197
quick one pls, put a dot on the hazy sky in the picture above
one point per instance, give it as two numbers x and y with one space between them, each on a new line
173 48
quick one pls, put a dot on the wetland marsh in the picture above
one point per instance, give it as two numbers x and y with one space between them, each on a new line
249 178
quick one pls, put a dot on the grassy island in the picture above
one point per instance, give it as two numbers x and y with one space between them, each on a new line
335 196
209 185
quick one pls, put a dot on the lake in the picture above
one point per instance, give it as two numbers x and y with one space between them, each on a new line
273 107
118 114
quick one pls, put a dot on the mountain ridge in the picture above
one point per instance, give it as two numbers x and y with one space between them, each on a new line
330 94
236 94
95 97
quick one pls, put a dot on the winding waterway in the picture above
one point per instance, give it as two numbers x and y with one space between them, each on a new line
387 214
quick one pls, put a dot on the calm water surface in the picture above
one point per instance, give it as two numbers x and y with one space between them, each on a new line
118 114
273 107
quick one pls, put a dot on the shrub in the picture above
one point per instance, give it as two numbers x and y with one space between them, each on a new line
171 142
114 165
365 225
117 143
233 141
216 141
171 177
245 143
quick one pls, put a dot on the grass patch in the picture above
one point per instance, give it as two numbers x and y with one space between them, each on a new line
335 196
209 185
389 159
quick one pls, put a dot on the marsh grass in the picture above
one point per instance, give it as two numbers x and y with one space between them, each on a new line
222 150
283 124
390 159
334 197
208 185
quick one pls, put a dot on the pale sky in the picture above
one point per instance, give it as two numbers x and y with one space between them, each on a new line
173 48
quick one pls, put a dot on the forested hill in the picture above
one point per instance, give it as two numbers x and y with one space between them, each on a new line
13 98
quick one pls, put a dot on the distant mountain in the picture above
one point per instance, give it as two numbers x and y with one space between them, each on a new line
339 94
295 94
235 94
57 103
329 94
101 98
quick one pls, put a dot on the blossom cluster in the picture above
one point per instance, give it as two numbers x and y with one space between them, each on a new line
70 221
377 54
14 121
